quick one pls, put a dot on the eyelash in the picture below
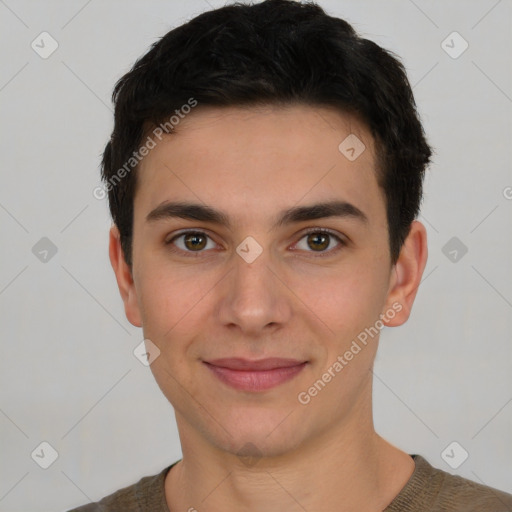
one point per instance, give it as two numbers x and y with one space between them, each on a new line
320 254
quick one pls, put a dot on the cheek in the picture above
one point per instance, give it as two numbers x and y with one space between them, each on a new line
168 301
346 300
177 305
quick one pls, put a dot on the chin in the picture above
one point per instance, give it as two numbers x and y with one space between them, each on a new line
249 448
258 435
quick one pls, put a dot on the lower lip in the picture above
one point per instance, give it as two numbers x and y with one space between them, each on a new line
255 380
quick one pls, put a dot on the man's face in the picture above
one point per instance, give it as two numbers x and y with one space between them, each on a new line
307 296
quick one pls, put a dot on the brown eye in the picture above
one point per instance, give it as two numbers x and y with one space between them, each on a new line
191 242
194 241
320 241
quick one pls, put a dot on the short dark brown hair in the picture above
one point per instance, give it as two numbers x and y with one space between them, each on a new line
275 52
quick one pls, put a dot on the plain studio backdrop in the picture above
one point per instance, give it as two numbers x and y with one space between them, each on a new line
69 378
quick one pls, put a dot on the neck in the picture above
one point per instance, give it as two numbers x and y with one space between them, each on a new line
347 467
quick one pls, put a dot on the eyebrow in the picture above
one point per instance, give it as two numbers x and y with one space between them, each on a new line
195 211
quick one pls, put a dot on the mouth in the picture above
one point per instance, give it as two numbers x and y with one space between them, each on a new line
261 375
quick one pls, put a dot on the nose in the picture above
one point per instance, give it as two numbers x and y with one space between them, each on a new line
255 298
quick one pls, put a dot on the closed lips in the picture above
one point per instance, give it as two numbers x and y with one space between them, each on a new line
241 364
255 376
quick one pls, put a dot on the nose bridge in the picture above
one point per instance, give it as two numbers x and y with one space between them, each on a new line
254 298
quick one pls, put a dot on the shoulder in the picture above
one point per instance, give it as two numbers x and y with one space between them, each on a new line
443 492
459 493
147 494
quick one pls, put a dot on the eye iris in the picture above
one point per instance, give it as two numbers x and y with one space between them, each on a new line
315 237
192 238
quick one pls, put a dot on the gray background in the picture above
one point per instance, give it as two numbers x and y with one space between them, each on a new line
68 373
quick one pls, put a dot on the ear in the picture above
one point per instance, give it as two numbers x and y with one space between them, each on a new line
406 276
124 278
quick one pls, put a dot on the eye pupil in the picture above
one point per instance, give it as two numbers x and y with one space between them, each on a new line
192 238
317 238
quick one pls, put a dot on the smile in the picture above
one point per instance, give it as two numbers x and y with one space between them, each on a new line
255 375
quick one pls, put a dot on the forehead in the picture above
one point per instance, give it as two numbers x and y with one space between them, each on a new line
250 160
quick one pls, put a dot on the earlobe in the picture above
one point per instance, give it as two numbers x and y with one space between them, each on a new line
408 271
124 278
